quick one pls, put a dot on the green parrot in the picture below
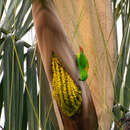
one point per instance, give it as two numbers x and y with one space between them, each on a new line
82 65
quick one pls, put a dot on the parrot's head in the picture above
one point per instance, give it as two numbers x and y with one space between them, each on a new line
81 49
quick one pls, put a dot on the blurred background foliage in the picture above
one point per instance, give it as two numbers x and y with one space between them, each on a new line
121 12
22 74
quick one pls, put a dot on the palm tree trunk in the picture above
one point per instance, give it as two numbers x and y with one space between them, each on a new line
90 24
53 39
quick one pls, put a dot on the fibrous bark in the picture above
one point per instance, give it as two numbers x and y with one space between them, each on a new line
81 23
52 39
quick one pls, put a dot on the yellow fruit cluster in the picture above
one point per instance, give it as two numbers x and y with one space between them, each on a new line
66 93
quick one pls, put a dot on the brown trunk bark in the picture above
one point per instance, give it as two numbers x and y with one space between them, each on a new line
101 56
52 38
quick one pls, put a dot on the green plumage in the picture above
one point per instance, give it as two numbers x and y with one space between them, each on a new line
83 75
82 65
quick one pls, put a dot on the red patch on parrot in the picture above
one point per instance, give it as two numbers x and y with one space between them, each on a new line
80 48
